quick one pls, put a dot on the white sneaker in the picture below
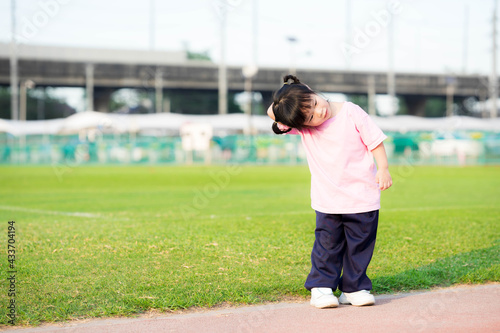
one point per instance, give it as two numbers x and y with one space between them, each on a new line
357 298
323 298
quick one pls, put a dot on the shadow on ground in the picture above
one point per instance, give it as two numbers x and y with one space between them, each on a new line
478 266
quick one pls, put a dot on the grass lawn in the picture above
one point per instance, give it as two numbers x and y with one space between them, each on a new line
119 240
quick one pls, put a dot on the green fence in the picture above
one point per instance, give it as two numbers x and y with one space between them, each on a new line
457 148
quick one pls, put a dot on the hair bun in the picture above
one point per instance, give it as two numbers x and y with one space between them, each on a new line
277 129
286 78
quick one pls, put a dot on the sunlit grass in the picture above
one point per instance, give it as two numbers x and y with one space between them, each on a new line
105 241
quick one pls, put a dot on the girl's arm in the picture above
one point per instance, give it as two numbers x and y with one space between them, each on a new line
383 177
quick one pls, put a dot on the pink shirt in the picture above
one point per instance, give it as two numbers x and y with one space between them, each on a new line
341 163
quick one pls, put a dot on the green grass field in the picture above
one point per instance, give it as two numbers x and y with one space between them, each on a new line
106 241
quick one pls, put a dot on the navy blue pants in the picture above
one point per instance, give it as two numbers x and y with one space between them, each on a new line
343 242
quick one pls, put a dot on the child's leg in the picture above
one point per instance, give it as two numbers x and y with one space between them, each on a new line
360 233
327 253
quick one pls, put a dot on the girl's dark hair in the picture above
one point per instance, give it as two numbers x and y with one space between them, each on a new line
289 102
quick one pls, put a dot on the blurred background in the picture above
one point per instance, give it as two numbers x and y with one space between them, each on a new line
100 82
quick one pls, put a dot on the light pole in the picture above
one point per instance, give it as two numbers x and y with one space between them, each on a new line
14 81
450 91
151 25
348 29
89 86
249 72
222 64
159 90
293 41
493 74
391 77
27 84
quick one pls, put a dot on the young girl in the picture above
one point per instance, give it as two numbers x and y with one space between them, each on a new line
341 141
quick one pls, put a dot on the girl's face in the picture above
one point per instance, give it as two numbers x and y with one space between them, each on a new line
318 113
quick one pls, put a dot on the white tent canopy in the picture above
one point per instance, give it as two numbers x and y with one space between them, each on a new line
412 123
160 123
5 126
170 123
31 127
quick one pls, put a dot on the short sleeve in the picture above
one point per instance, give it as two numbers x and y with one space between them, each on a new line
370 133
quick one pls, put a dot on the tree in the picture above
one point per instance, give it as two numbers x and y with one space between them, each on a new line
204 56
192 55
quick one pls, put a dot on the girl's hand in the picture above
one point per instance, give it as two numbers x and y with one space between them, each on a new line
383 179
